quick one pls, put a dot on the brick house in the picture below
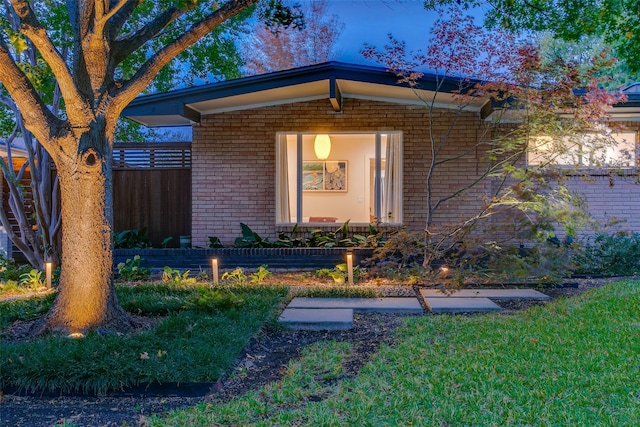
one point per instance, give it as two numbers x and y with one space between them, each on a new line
254 158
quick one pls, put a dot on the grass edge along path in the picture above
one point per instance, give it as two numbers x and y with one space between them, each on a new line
572 362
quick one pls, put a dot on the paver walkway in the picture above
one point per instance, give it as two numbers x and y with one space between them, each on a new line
362 305
486 293
337 313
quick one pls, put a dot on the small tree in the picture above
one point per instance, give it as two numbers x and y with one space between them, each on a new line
511 76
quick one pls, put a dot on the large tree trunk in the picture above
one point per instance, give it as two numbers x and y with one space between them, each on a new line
86 297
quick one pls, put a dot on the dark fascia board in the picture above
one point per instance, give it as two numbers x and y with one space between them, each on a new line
173 102
633 100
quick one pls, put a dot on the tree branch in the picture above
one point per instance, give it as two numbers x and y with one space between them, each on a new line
40 121
124 47
32 28
120 17
150 69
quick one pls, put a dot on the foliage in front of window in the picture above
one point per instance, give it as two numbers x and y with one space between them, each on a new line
339 238
610 255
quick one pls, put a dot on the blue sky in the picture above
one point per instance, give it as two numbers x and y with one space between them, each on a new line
369 21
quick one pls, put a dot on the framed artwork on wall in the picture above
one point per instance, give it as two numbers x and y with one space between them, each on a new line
330 175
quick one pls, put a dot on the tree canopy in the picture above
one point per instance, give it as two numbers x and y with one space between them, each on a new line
616 21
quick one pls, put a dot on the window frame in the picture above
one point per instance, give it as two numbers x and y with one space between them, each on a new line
377 191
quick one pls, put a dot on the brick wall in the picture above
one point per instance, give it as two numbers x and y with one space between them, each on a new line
233 170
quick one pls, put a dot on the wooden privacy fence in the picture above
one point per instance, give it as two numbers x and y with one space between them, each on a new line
152 189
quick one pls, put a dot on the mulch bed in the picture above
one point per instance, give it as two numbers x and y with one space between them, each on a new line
262 361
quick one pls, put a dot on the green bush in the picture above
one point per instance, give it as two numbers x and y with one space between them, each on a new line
610 255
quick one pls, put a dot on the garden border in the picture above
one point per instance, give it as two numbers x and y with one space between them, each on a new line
230 258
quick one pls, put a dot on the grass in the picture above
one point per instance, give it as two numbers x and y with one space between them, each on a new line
573 362
198 336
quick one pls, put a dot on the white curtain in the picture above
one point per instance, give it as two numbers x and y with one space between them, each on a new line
282 177
391 208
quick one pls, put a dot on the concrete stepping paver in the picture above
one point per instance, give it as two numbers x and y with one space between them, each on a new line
317 319
461 305
361 305
486 293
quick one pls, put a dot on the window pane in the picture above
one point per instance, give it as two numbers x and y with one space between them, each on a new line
391 178
286 178
587 150
342 183
335 188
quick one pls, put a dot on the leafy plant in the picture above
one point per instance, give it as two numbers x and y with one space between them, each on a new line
32 279
291 239
340 273
165 242
258 277
131 269
131 239
236 277
214 242
251 239
316 239
9 270
176 277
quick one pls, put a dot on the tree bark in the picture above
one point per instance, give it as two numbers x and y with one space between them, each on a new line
86 296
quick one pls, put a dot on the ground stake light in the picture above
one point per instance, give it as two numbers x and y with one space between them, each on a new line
214 270
350 267
48 268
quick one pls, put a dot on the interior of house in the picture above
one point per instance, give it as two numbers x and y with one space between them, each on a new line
339 177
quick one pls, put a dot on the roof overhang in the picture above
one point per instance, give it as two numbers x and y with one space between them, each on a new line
333 81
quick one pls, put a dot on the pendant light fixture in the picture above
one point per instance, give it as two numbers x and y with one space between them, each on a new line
322 146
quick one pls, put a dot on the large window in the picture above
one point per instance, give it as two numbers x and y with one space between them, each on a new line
590 150
339 177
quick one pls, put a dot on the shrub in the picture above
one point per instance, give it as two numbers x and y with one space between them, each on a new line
131 270
610 255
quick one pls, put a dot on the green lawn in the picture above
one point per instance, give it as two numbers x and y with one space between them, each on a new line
199 332
571 363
